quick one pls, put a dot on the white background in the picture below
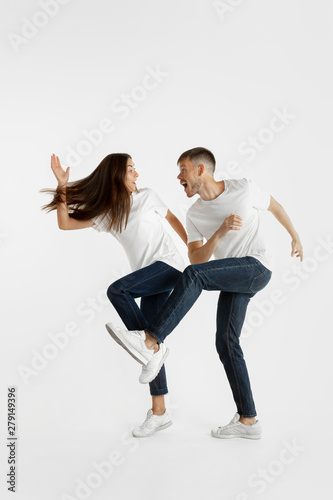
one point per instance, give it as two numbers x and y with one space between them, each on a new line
224 75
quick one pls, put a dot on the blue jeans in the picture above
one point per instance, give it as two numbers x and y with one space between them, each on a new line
153 284
238 279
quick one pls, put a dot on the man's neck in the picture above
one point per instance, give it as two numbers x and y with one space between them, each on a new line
211 189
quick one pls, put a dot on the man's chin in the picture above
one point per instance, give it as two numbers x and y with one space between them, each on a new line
189 195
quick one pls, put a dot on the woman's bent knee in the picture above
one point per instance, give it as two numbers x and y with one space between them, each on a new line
113 291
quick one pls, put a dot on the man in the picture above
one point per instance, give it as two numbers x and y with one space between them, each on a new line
226 215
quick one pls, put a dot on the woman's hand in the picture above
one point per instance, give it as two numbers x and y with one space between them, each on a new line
59 172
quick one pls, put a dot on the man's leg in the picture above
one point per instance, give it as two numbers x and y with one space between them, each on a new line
231 313
239 275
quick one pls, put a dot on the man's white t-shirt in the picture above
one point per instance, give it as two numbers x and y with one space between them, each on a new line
145 238
241 197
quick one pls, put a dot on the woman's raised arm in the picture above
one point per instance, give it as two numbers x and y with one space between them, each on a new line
64 221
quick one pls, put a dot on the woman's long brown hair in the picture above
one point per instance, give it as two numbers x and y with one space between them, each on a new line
102 192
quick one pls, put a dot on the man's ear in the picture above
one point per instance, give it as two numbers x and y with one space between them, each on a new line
201 169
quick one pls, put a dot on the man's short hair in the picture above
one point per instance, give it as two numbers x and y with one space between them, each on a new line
199 155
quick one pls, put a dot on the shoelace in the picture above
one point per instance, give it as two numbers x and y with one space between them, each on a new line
136 332
145 423
148 418
223 427
226 426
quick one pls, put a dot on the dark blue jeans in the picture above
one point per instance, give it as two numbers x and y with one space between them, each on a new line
238 279
153 284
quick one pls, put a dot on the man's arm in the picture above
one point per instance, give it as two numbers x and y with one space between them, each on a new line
176 225
199 252
281 215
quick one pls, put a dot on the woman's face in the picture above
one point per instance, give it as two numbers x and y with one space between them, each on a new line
131 176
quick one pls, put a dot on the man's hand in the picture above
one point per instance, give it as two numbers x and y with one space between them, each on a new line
199 253
233 222
297 248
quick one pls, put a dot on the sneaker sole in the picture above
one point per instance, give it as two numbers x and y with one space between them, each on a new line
159 366
165 426
127 347
233 436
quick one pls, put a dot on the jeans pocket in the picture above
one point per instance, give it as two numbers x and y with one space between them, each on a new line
259 282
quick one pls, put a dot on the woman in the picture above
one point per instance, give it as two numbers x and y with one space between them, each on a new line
108 200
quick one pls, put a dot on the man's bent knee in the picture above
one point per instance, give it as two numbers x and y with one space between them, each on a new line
191 271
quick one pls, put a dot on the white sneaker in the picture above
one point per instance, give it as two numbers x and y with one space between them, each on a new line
236 429
151 369
133 341
152 424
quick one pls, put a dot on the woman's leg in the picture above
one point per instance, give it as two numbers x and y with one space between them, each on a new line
150 305
151 280
153 284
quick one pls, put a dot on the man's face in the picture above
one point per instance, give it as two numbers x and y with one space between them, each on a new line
189 177
131 176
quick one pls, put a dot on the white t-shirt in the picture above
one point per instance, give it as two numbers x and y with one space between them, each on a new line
145 239
242 197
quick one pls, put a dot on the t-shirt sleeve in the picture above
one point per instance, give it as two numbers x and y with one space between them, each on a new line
259 197
193 234
159 206
100 223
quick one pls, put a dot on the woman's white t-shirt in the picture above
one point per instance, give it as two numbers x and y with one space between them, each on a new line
241 197
145 238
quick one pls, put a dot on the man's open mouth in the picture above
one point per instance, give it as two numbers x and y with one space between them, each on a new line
184 184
